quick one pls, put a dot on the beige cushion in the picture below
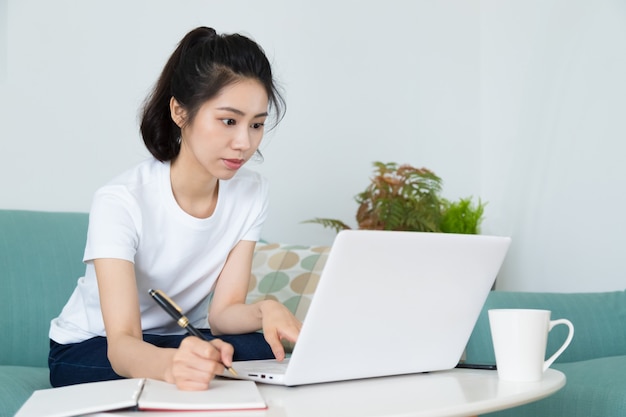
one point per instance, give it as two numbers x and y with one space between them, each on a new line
286 273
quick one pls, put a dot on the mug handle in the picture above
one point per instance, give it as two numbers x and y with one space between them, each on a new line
570 335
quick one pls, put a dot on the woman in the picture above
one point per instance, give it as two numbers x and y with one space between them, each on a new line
185 222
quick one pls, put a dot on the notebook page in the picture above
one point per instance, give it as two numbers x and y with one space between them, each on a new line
221 395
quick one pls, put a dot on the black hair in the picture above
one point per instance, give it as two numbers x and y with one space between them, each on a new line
203 63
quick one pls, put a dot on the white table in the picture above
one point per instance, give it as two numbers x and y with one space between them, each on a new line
458 392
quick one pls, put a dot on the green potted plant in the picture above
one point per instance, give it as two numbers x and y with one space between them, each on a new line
402 197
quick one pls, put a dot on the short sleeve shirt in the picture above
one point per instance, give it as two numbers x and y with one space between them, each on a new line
136 218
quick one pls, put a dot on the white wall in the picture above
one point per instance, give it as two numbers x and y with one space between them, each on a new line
553 130
520 102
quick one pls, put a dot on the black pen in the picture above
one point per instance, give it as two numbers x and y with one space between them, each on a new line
177 314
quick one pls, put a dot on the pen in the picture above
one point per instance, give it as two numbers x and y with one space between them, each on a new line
476 366
177 314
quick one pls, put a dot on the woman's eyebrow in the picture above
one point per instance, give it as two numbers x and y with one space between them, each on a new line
240 113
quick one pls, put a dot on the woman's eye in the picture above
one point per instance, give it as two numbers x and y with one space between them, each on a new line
258 125
229 122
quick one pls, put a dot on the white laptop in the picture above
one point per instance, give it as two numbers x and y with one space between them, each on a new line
389 303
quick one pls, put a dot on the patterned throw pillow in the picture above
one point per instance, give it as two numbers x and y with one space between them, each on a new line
286 273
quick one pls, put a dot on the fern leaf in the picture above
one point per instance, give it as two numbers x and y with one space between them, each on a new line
336 225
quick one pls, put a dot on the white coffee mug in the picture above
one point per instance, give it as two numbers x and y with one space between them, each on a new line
520 338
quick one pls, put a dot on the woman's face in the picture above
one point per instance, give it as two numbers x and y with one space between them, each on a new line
226 131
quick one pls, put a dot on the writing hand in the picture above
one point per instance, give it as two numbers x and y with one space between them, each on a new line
196 362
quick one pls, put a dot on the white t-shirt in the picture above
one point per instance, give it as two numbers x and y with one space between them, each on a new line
135 217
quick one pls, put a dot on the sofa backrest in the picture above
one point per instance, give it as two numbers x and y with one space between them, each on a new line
599 321
40 261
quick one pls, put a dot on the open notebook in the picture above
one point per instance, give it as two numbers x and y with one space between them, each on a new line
389 303
142 394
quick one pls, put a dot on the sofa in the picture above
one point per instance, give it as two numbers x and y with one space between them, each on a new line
40 261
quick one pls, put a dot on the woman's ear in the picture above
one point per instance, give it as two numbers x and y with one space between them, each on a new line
177 112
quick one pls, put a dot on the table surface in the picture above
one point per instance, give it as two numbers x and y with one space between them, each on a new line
458 392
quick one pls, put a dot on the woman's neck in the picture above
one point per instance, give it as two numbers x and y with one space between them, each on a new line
195 191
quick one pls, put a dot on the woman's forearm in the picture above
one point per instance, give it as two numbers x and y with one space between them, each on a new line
133 358
237 318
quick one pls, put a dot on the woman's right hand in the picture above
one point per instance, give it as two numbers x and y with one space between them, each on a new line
197 361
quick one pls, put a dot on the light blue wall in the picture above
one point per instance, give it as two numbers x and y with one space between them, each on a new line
520 102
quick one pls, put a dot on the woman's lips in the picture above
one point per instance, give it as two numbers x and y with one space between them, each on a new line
233 163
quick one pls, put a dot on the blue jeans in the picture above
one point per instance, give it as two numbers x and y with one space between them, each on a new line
87 361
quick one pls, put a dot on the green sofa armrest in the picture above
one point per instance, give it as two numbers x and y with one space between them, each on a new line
599 323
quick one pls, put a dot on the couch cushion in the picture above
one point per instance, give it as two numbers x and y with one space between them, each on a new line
17 383
594 387
599 323
286 273
40 261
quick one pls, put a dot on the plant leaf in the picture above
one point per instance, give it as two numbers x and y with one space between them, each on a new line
334 224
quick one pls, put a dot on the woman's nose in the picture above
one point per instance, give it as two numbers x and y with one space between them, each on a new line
242 140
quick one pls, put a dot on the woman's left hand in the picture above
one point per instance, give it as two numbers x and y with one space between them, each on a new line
278 324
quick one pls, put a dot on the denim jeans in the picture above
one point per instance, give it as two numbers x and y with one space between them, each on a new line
87 361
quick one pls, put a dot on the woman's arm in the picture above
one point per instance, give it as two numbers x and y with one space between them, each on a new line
192 366
229 314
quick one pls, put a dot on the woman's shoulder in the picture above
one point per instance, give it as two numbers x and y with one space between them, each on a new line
144 172
137 183
247 185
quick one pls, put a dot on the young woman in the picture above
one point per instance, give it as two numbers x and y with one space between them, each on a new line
185 222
